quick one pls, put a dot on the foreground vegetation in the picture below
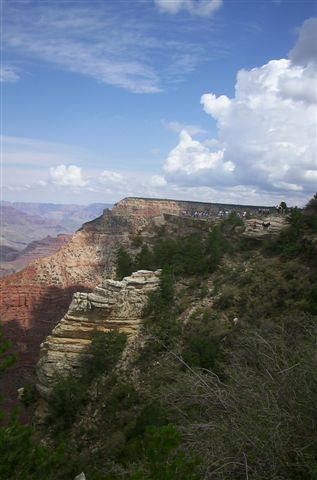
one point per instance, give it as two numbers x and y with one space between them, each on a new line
222 384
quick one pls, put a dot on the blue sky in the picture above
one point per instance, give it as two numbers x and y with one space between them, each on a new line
211 100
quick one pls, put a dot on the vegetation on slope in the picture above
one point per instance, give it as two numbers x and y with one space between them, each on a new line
223 381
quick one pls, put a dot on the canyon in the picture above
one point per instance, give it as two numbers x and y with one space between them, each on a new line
34 230
34 300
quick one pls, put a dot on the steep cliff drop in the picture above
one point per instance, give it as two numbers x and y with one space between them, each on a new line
33 300
113 305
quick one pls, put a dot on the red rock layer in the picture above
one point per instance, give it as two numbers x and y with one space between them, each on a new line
33 300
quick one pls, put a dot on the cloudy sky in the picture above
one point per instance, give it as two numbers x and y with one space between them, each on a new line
211 100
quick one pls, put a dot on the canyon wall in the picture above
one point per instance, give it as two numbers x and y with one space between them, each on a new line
33 300
14 261
151 207
113 305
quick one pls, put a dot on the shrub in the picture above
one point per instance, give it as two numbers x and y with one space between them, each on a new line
67 399
160 313
152 414
103 353
162 457
145 259
231 222
124 265
217 245
201 351
30 395
6 359
166 287
70 394
261 419
137 241
227 297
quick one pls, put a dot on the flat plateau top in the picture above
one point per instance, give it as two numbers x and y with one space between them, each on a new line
196 202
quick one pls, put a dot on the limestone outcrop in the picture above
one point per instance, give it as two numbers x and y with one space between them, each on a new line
112 305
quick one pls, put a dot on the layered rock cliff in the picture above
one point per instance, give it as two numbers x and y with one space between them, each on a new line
33 300
151 207
113 305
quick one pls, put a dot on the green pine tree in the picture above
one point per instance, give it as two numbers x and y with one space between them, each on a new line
124 265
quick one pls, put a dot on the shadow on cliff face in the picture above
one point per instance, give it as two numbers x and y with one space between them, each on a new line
46 311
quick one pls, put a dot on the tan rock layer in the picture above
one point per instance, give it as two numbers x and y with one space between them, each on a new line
113 305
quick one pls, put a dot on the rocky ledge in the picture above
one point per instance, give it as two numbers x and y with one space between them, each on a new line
112 305
266 226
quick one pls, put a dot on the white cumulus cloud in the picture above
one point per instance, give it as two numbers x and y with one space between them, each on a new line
67 176
190 161
269 127
215 106
202 8
266 132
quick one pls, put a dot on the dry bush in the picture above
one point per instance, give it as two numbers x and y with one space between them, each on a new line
258 422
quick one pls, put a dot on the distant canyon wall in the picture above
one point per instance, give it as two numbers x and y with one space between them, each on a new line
148 207
13 260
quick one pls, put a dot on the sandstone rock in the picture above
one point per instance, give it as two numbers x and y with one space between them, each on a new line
120 307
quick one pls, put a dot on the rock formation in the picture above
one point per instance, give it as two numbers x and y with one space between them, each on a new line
33 300
151 207
259 228
112 305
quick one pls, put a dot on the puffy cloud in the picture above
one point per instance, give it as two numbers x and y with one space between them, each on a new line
215 106
190 161
299 84
202 8
67 176
266 140
268 128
